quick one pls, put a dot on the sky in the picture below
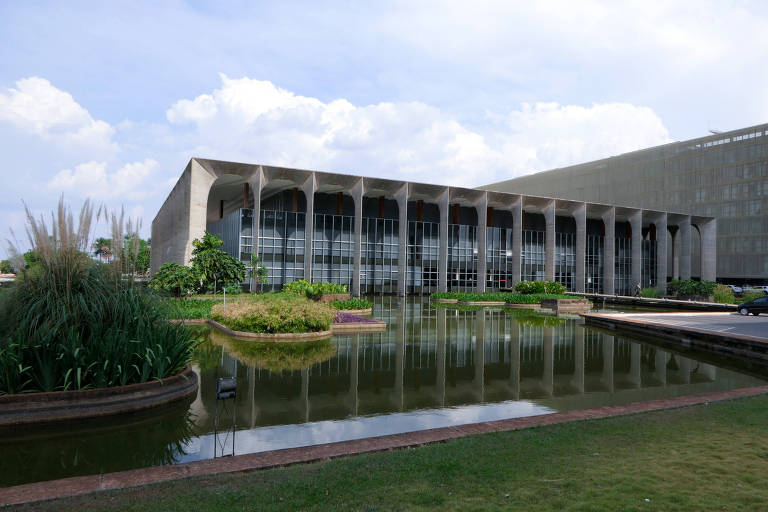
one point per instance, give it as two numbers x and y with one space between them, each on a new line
109 100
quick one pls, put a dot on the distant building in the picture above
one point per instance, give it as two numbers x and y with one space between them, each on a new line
723 176
385 236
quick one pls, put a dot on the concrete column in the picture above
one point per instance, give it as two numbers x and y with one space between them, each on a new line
580 215
517 238
308 187
685 248
708 231
609 251
636 223
661 253
482 223
401 196
442 263
256 184
549 242
676 254
357 196
578 348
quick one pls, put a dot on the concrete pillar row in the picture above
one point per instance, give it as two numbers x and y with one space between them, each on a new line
200 182
609 251
708 232
661 253
517 239
685 248
308 187
580 216
401 196
549 241
676 254
358 189
443 203
256 184
482 223
636 223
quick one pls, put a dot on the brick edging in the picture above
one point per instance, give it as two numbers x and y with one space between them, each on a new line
74 486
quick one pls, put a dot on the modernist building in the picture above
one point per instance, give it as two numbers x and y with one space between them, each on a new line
386 236
723 176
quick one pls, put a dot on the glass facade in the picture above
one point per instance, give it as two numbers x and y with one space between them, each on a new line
333 249
462 257
622 277
498 256
378 264
423 252
594 265
281 246
649 264
565 259
533 257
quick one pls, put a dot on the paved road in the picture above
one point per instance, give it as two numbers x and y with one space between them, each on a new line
731 323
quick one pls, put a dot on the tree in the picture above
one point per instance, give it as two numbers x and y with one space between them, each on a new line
176 279
257 270
6 267
102 248
31 258
214 266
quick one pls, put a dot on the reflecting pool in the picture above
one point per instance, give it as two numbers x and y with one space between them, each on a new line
432 367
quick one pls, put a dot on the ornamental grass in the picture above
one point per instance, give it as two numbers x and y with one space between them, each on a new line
275 314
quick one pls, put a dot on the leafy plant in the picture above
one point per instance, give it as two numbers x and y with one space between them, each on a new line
749 295
352 303
214 266
540 287
275 313
650 293
257 270
321 287
6 267
175 279
723 294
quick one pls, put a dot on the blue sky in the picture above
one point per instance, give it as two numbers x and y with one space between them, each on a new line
110 100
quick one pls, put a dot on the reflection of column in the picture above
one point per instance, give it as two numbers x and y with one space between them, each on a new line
482 225
305 392
354 377
608 342
357 196
547 379
661 366
636 223
549 242
256 183
400 360
514 359
517 238
708 370
480 354
708 232
252 393
635 367
609 251
685 369
442 262
578 359
580 215
442 343
661 253
685 248
401 196
308 188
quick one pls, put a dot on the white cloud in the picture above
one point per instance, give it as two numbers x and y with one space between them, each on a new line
91 179
37 107
255 121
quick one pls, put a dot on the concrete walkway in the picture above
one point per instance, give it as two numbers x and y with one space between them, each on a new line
627 300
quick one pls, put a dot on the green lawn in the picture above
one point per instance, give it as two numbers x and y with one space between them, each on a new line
707 457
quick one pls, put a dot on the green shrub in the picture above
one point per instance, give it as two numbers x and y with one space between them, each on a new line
320 287
445 295
351 303
215 267
693 289
552 287
650 293
189 308
749 295
175 279
274 313
723 294
72 323
536 298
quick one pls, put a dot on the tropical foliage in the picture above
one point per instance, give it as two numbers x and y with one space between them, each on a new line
70 322
275 313
540 287
317 288
509 298
690 288
176 279
351 304
213 266
6 267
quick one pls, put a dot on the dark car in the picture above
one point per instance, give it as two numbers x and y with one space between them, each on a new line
756 306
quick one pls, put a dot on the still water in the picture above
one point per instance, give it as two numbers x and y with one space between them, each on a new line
433 367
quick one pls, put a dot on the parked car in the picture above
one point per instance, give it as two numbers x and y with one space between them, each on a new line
756 306
763 289
736 289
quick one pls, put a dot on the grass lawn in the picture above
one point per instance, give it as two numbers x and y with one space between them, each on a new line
707 457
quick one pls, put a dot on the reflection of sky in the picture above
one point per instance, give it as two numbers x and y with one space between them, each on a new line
320 432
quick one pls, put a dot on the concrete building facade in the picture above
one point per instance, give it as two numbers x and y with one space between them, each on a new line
723 176
386 236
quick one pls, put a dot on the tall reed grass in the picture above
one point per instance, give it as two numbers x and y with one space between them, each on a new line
70 322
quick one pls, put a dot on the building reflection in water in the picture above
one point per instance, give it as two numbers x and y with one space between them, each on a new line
431 358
